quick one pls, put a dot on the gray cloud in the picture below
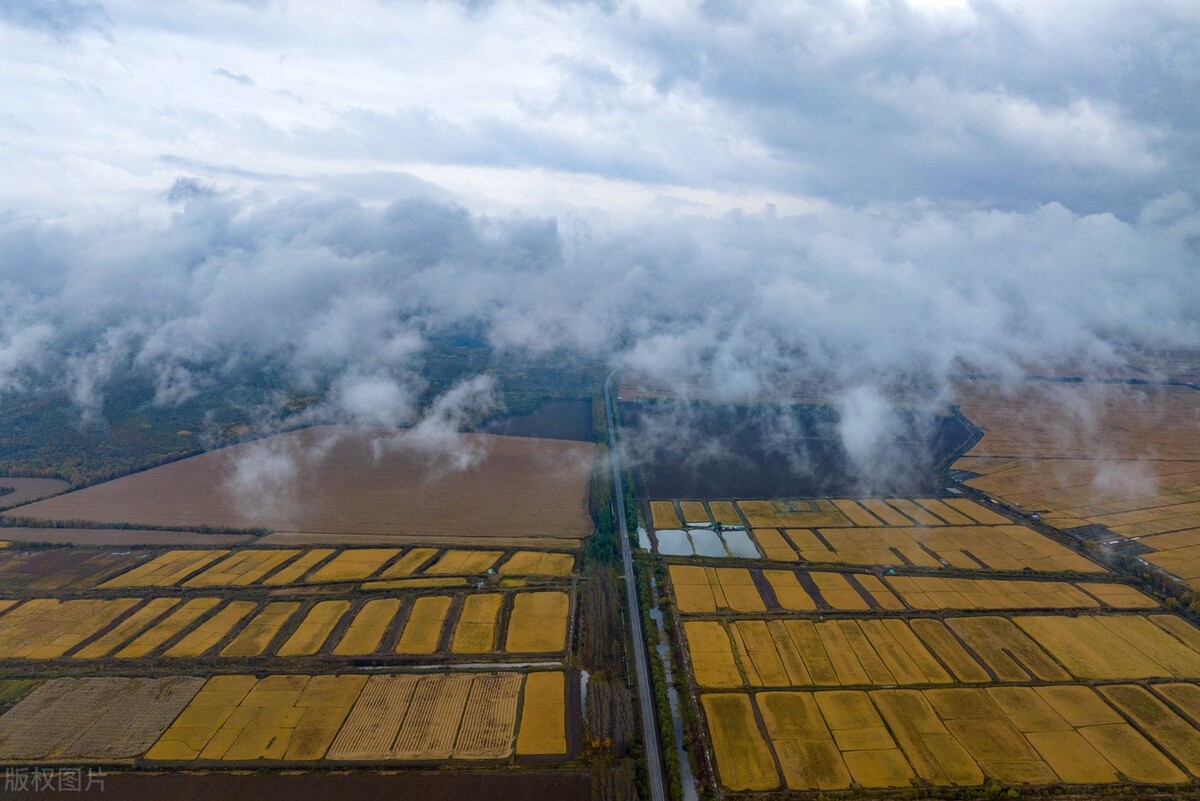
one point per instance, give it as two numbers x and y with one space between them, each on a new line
236 77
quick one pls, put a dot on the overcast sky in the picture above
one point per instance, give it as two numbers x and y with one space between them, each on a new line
881 186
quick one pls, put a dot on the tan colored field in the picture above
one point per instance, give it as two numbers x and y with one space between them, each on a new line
256 635
523 487
543 715
294 571
423 631
711 655
463 563
868 749
366 631
707 589
1171 732
1114 646
1007 547
241 568
432 717
788 591
832 739
434 713
807 753
742 755
943 749
315 629
1006 650
128 628
1131 463
408 564
663 515
211 631
801 653
373 723
693 512
46 628
165 570
788 514
773 545
475 632
167 628
538 623
352 564
239 718
489 718
75 720
724 512
932 592
894 651
535 563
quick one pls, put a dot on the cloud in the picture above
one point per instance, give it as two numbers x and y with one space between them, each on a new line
749 192
236 77
58 17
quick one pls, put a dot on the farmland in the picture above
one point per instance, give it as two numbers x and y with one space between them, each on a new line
836 739
878 643
1143 495
511 621
291 718
522 487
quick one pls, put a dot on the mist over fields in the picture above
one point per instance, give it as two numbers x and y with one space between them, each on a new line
849 191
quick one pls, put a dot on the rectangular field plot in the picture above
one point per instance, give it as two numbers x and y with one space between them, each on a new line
926 651
46 628
975 547
1040 736
848 512
165 570
92 718
176 628
278 567
538 623
240 718
713 590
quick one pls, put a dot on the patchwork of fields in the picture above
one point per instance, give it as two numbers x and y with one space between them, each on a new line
291 718
480 618
1142 493
1068 733
937 666
923 532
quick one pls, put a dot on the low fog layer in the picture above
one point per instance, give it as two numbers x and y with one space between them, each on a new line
850 191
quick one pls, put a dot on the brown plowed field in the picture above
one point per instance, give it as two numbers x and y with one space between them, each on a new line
522 487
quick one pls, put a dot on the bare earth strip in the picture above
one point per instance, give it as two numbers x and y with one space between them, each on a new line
522 487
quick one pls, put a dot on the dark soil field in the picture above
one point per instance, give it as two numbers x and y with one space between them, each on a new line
701 450
524 785
347 480
553 419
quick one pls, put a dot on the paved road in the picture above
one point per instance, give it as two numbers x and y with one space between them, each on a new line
640 661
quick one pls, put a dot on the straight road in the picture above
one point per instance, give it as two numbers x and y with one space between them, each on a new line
640 659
